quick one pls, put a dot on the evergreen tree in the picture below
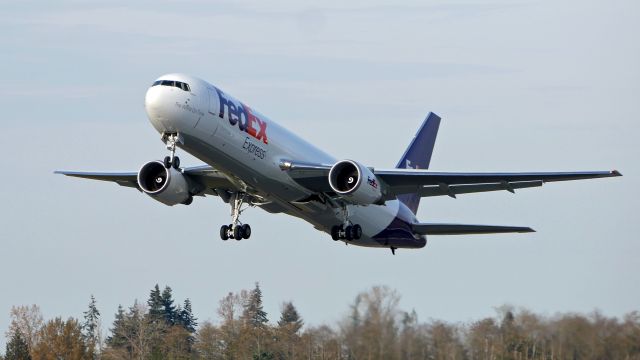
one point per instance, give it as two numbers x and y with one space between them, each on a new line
290 319
253 314
119 330
169 310
91 328
186 317
17 348
156 308
289 325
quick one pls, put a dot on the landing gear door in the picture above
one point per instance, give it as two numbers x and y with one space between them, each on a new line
209 122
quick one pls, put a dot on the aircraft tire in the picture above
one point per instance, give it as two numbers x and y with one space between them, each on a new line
348 233
167 162
176 163
356 231
224 232
246 231
237 233
335 233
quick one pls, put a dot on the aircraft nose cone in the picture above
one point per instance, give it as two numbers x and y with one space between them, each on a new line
157 104
171 108
153 102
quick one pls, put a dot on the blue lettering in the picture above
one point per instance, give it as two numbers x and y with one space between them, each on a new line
242 115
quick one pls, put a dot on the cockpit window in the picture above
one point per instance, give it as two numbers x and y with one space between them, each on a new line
172 83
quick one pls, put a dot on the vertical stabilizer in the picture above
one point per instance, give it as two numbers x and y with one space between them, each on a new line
418 155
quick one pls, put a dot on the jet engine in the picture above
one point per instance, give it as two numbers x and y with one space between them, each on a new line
355 182
167 185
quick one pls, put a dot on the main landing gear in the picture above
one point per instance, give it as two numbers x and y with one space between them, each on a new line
236 230
171 161
347 231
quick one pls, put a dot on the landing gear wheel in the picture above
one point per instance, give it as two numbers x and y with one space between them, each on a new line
246 231
237 233
167 162
224 232
348 232
356 231
236 230
335 233
176 163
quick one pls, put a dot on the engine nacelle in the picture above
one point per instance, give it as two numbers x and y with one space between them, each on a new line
169 186
354 182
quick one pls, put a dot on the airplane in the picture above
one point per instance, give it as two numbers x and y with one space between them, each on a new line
251 161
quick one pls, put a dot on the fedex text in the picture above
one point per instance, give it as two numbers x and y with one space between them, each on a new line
242 115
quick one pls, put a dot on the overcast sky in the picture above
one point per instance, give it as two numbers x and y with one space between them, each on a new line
520 85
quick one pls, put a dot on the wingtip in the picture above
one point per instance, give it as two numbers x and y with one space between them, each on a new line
616 173
529 230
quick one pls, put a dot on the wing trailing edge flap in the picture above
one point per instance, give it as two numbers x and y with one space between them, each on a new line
465 229
452 190
312 176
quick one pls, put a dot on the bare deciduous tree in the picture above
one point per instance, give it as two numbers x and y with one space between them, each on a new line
28 321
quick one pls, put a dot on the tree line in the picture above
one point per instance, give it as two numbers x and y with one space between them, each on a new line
374 327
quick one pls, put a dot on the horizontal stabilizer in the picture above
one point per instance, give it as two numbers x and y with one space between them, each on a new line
463 229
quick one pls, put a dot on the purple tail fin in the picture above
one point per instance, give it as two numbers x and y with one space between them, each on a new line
418 155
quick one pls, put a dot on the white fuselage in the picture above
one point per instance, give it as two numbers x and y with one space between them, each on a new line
248 148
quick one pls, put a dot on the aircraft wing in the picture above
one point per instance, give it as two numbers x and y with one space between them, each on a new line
128 179
433 183
464 229
205 176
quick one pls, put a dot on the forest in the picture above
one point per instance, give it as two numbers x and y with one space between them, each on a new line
373 327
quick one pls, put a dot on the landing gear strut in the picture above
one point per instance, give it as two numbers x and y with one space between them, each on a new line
236 230
171 140
347 231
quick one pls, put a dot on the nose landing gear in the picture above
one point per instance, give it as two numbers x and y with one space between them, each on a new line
172 160
236 230
169 163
